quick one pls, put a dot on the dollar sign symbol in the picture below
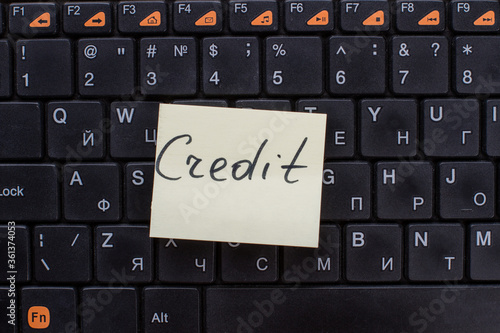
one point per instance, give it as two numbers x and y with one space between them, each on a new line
213 50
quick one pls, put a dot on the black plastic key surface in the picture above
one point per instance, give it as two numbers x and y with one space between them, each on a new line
249 263
2 18
142 17
21 130
44 67
106 67
265 104
138 190
87 18
14 239
339 309
33 19
200 16
202 102
253 16
420 15
474 15
5 69
62 253
484 256
315 15
491 117
29 192
364 15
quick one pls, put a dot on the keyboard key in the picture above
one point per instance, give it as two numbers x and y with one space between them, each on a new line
249 263
474 15
171 309
492 129
116 310
44 68
142 17
22 262
87 18
283 54
420 65
467 190
373 252
75 130
388 127
106 67
185 261
168 66
264 104
125 250
2 19
484 254
92 192
197 16
5 68
138 190
29 192
314 15
202 102
357 65
134 129
435 252
307 265
231 66
33 19
51 308
451 127
253 16
364 15
21 130
62 253
404 190
420 16
346 191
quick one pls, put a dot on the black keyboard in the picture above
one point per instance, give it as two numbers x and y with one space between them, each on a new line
410 227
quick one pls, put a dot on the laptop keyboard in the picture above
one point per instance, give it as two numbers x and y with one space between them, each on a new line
409 238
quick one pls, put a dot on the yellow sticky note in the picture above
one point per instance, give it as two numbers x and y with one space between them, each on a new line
238 175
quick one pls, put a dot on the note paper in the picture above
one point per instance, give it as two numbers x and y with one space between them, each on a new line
238 175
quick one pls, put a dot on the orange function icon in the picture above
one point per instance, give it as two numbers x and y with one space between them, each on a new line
41 21
38 317
266 18
209 19
376 18
487 18
98 20
319 19
152 20
430 19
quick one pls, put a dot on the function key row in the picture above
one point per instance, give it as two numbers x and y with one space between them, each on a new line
210 16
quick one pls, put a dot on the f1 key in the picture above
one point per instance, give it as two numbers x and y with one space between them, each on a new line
420 15
255 16
474 15
32 19
364 15
87 18
197 16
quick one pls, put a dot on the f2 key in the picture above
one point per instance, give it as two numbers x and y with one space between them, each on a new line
474 15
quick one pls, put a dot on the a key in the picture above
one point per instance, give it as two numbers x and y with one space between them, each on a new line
420 15
364 15
109 310
466 190
50 308
451 127
62 254
125 250
315 15
492 128
21 130
168 66
185 261
106 67
172 309
33 19
249 262
253 16
142 17
134 129
346 191
357 65
92 192
420 65
5 68
9 321
435 252
44 68
138 190
201 16
322 264
14 239
231 66
373 252
87 18
29 192
340 136
388 127
75 130
264 104
483 251
283 55
474 15
404 190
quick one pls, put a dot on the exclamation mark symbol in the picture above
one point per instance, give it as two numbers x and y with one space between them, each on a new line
23 57
41 240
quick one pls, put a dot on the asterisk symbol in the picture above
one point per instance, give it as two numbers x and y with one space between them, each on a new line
467 49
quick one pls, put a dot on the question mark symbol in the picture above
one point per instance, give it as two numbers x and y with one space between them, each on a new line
435 47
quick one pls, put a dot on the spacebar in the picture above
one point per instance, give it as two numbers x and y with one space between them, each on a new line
445 308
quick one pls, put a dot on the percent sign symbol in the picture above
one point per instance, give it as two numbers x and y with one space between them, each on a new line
280 51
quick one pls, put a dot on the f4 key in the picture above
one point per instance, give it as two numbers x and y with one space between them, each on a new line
474 15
